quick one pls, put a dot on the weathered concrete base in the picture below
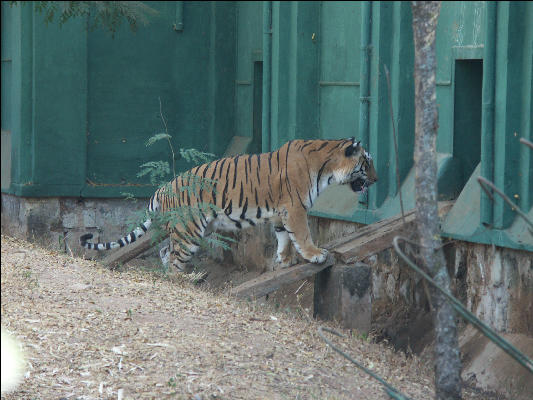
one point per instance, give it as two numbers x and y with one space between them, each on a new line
342 293
58 222
496 284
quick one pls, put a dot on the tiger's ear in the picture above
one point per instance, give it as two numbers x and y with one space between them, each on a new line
354 148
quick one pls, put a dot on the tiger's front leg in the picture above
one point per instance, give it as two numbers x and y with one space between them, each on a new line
296 225
284 256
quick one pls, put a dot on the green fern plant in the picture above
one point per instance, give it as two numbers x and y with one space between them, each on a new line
160 173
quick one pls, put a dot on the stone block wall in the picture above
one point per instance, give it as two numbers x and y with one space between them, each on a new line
58 222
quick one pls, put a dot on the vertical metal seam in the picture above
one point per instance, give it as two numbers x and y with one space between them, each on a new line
364 89
85 153
395 97
178 24
319 72
267 76
487 110
212 80
364 110
293 71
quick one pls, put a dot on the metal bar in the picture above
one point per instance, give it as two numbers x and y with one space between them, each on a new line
364 79
267 75
483 182
178 25
527 143
397 158
364 110
487 110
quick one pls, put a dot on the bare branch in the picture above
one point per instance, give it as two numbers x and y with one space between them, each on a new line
447 360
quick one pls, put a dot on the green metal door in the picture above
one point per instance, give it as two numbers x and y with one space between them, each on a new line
249 76
340 41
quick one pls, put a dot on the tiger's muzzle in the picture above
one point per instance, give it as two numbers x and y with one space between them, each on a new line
360 185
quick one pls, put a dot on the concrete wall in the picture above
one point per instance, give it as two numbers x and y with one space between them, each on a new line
497 285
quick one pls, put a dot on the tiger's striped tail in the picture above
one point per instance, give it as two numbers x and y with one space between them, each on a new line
124 241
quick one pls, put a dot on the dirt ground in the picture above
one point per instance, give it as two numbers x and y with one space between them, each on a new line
92 333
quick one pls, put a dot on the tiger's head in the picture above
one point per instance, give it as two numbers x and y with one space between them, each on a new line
354 167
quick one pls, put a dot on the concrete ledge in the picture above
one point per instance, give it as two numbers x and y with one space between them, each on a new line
57 222
342 293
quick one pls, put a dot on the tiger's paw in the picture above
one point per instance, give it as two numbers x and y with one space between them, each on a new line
285 262
164 255
320 257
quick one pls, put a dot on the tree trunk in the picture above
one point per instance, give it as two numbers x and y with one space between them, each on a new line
447 361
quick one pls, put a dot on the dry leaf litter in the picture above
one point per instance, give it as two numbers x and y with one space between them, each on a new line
92 333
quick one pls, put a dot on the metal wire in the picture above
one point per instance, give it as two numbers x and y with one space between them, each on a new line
482 327
526 142
389 389
482 182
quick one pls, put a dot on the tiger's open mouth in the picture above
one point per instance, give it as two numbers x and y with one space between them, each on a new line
359 185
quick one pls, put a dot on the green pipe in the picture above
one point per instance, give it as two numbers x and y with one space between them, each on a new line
178 25
364 110
487 110
267 75
364 79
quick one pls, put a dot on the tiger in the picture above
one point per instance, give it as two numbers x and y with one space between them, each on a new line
277 187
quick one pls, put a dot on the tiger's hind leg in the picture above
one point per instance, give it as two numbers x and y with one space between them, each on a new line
183 244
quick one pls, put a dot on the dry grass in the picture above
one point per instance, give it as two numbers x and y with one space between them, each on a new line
90 333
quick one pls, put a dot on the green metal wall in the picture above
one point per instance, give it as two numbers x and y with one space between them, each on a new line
83 104
79 105
328 80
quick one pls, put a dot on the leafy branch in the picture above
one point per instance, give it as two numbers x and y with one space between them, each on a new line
178 217
107 14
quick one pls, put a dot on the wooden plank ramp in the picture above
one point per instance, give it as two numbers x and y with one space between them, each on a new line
273 280
367 241
126 253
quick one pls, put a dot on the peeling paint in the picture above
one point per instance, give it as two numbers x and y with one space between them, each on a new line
477 23
460 32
